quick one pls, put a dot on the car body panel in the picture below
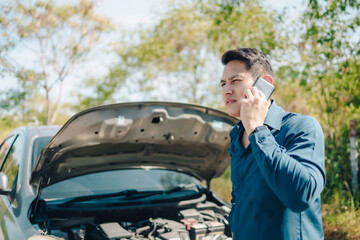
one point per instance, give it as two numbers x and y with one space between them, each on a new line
177 136
10 226
14 223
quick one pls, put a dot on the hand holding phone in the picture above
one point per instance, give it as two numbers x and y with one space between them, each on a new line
264 86
253 111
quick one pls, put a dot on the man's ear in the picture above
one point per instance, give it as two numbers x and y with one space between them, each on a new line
268 78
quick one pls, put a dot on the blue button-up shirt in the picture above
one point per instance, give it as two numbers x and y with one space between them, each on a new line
278 178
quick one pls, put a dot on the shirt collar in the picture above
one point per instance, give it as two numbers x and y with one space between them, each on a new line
274 116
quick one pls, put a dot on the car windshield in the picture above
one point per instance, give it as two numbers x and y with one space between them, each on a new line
140 180
38 145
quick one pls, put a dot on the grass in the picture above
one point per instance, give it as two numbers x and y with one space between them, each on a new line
341 218
222 185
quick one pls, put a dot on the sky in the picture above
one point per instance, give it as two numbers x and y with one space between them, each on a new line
130 13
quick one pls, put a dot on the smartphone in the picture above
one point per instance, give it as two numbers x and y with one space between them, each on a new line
264 86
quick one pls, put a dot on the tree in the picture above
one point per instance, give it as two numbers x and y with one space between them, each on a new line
53 39
241 24
330 81
102 90
330 50
179 56
170 55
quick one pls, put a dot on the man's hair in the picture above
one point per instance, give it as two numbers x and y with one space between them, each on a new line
256 61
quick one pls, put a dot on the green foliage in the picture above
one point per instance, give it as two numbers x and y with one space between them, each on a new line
180 55
15 102
240 23
338 172
104 89
330 50
222 185
175 48
7 124
341 219
329 81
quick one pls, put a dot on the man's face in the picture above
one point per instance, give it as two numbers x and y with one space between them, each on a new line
235 80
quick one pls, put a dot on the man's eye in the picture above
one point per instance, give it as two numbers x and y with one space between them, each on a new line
222 84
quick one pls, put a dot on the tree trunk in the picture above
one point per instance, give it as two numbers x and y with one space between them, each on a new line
47 106
58 104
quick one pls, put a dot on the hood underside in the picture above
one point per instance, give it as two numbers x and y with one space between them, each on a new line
176 136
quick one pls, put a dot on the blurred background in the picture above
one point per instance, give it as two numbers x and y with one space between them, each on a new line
61 57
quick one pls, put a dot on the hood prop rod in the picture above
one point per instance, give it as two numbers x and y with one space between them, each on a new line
208 180
38 190
38 212
208 184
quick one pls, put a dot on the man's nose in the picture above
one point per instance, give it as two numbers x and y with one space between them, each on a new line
227 89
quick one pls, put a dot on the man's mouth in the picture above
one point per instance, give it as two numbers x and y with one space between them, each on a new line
230 101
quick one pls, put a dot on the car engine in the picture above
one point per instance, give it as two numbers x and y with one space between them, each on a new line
205 221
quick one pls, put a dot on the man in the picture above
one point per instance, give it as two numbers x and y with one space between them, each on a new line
277 157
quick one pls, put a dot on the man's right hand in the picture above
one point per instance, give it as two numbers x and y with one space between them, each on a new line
254 108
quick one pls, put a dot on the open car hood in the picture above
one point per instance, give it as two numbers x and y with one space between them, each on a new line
176 136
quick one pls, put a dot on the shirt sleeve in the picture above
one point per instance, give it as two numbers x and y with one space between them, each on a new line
294 171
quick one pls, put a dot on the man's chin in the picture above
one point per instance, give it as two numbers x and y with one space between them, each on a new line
233 113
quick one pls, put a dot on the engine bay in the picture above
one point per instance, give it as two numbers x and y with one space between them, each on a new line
203 221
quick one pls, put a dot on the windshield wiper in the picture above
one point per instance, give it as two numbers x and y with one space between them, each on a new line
141 195
99 196
131 194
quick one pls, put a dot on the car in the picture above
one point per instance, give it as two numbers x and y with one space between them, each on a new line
139 170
